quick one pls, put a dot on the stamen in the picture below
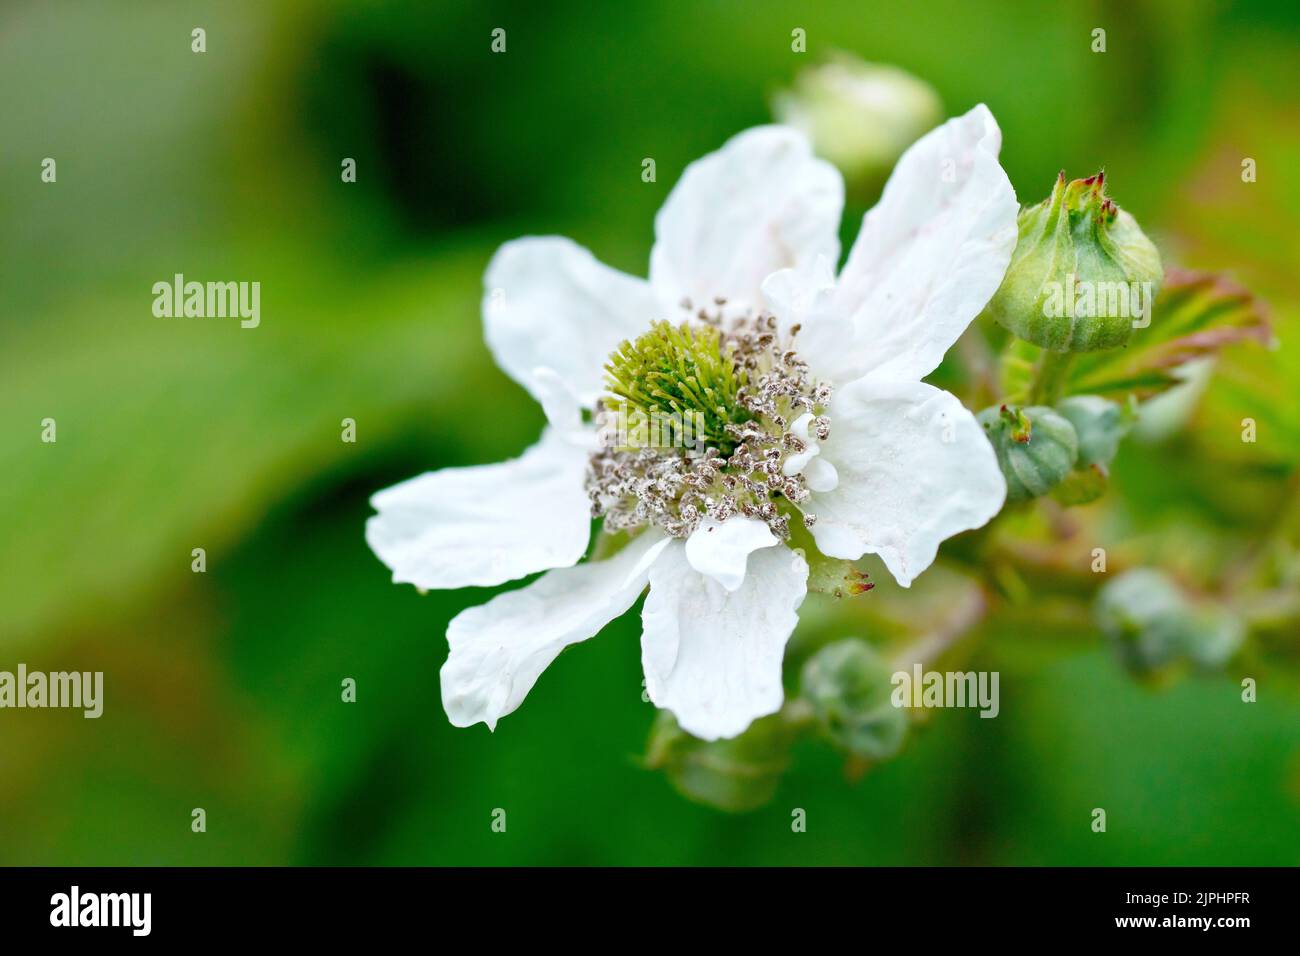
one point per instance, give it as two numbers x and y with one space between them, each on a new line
729 387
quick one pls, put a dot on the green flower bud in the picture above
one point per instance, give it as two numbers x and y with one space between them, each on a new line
737 775
1099 423
1154 627
859 116
1214 634
1036 448
1142 612
848 686
1083 274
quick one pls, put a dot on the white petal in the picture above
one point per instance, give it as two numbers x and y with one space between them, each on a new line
720 550
548 303
801 425
796 463
803 462
820 475
499 649
914 468
930 254
486 524
713 656
806 297
761 203
801 295
558 401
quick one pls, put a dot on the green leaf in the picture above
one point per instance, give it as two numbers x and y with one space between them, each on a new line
173 434
1195 315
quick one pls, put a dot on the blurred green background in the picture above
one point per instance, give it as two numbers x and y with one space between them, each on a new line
222 689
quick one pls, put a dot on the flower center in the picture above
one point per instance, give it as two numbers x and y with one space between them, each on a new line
682 378
713 417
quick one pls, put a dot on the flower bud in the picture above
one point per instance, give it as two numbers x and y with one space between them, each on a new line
1154 627
1213 636
1099 424
848 686
1083 274
739 774
1035 446
860 116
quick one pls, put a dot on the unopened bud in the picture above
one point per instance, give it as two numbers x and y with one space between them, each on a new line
859 116
849 687
1155 627
1099 424
1083 274
1036 447
738 774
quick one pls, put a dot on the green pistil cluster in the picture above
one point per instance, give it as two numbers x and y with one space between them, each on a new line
681 375
749 403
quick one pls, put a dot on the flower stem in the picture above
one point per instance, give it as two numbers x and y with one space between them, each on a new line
930 647
1050 377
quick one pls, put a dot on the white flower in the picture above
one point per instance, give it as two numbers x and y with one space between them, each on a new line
829 423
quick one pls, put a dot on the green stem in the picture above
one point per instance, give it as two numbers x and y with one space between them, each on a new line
930 647
1050 377
1274 609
